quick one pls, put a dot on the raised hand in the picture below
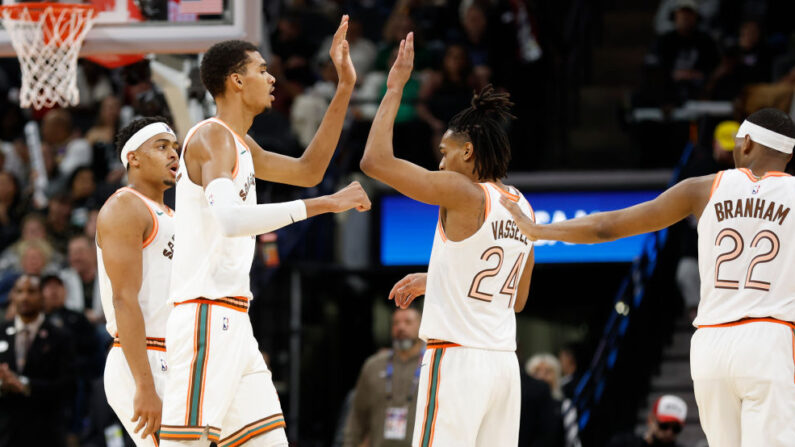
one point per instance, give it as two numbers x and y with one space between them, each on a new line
407 289
526 225
340 53
352 196
401 69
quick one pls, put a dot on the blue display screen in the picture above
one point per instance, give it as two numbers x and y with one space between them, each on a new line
407 227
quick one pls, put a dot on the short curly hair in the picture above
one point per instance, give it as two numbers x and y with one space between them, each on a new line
221 60
129 130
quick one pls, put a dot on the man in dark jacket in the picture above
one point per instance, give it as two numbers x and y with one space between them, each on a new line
36 372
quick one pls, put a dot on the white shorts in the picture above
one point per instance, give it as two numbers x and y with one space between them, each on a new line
744 379
218 386
120 384
467 398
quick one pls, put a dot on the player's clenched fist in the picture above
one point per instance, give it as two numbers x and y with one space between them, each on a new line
352 196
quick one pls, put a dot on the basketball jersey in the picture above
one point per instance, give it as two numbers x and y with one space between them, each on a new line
471 285
745 248
158 250
208 264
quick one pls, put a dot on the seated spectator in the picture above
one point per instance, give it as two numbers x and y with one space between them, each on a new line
82 192
747 62
477 44
546 367
36 373
665 422
33 228
59 139
35 259
567 356
445 92
12 205
385 397
59 221
685 56
81 279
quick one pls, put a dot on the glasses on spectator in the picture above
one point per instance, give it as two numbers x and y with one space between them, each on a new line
673 426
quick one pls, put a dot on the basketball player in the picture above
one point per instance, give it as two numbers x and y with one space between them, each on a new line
741 356
219 388
135 242
479 272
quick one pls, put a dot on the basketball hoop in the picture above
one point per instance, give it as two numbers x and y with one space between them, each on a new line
47 38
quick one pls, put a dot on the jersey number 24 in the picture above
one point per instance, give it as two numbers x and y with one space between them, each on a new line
510 284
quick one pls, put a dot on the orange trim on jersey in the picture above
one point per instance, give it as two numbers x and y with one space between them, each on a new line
152 344
507 194
206 360
715 183
242 141
436 399
768 174
441 229
155 225
793 349
488 200
750 320
238 303
437 344
155 440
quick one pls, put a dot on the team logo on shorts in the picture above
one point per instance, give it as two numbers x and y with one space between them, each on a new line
225 323
756 189
163 366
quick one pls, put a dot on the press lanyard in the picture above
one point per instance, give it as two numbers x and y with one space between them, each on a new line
390 372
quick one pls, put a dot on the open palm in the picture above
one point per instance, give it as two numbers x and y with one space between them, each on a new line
401 69
340 53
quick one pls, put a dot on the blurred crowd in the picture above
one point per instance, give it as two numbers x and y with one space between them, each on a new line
720 50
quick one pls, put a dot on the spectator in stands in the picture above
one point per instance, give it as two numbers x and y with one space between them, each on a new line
385 397
107 122
567 356
540 424
35 259
665 422
33 228
446 91
61 143
36 372
59 221
93 84
11 208
82 190
747 62
478 47
295 51
81 279
546 367
686 56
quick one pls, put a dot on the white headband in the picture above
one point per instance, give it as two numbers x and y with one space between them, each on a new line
141 136
766 137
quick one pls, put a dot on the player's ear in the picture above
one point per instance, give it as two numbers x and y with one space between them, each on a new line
469 151
237 80
747 144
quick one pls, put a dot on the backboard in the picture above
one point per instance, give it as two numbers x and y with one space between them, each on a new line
163 26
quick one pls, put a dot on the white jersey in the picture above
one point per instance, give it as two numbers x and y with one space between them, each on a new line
746 248
208 264
158 249
471 285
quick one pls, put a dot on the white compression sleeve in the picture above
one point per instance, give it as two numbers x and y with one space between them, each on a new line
237 219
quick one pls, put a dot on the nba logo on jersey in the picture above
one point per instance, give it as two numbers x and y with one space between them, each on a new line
756 188
163 366
225 323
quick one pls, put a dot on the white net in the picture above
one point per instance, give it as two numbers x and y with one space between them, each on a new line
47 39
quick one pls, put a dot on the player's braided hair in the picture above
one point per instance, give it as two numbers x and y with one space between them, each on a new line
483 124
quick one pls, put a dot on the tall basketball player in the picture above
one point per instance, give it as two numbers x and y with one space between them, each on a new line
135 242
479 272
741 356
219 388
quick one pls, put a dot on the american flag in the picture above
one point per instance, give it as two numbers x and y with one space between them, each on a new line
201 6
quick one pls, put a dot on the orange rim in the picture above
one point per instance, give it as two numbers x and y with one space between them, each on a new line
36 9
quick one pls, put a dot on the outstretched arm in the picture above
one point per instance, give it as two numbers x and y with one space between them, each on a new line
683 199
445 188
122 225
309 169
214 168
